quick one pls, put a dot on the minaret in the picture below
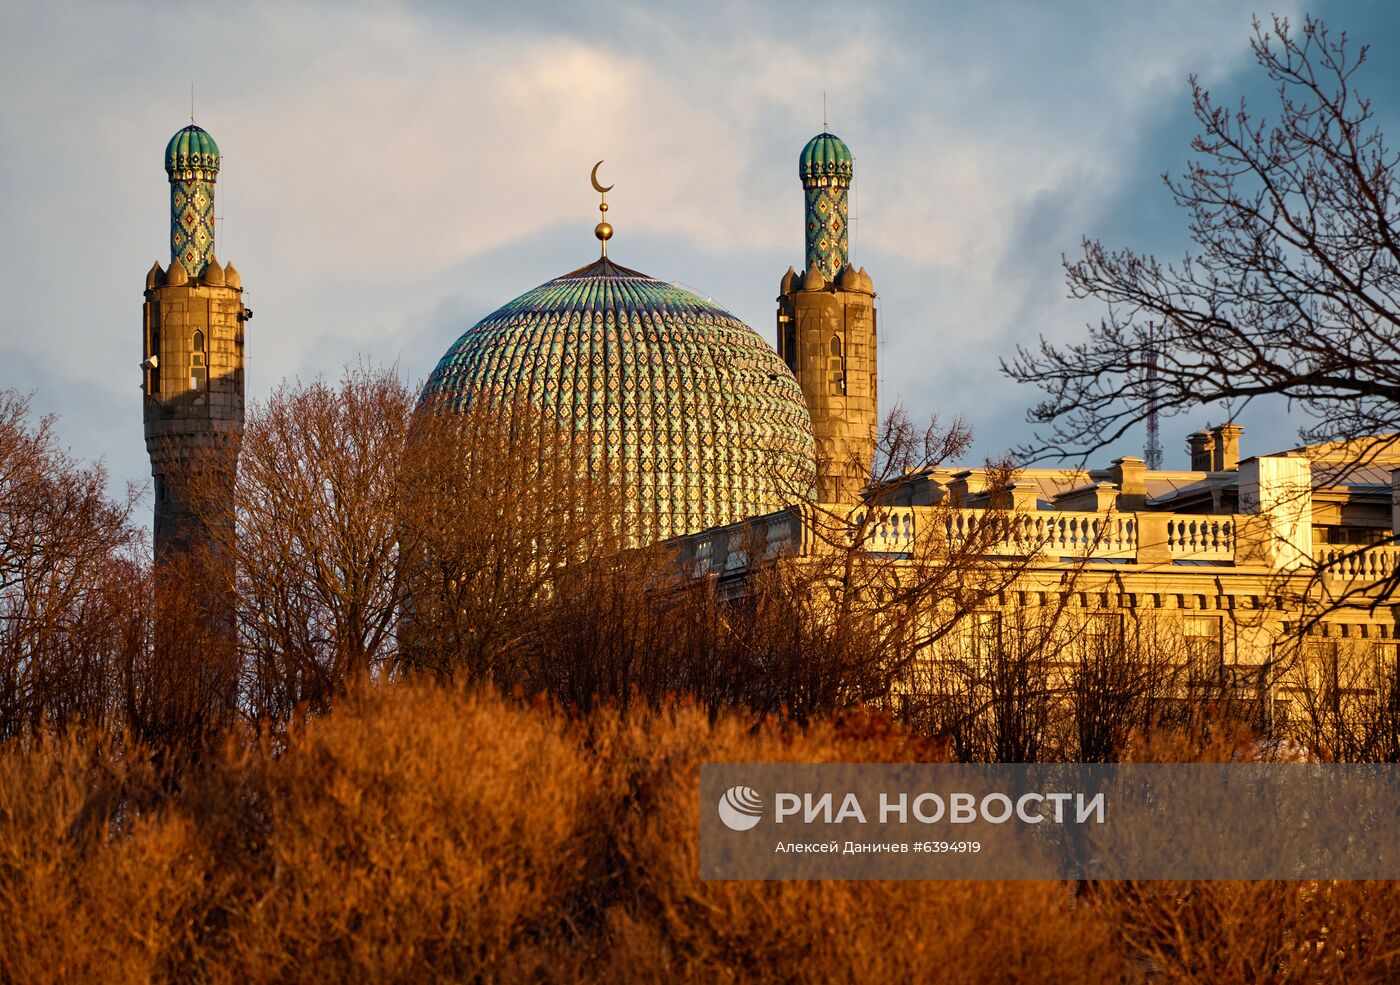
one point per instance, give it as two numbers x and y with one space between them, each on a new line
192 349
826 327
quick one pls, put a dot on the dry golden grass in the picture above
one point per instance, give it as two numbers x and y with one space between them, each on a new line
431 833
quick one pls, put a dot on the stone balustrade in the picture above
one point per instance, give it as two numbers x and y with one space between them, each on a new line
886 531
1201 537
1050 533
1342 563
1049 536
725 550
1059 533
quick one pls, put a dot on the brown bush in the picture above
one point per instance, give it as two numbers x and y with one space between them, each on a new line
426 832
429 832
419 829
1258 931
671 926
1248 931
91 887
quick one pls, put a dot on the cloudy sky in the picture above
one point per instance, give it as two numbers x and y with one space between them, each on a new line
393 172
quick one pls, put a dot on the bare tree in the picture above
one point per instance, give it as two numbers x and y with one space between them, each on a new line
67 557
875 585
180 677
1293 289
539 583
1344 697
498 503
314 541
992 692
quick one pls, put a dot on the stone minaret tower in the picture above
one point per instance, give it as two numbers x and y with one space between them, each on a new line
192 348
826 327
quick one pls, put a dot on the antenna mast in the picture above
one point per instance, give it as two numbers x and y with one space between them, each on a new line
1152 451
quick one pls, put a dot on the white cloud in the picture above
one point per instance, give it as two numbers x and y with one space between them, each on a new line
374 153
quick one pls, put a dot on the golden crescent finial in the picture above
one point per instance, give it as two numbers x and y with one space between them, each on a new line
604 229
594 178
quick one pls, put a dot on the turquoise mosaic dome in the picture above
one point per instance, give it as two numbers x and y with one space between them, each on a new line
192 148
690 408
825 155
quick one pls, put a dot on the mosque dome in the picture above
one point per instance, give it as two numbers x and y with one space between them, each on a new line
825 155
694 412
191 148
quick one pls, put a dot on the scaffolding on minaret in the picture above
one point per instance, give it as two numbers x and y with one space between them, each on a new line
1152 450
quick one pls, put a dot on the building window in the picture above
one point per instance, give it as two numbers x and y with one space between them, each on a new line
153 384
1323 673
836 367
1205 650
1386 674
198 369
1103 631
787 340
981 640
1339 536
1342 679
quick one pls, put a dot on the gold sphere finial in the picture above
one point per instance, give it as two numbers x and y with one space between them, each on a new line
603 230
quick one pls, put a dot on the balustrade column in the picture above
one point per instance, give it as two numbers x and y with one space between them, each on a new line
1152 545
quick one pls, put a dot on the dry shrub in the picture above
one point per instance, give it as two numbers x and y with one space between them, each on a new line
91 886
423 832
420 831
1248 931
669 925
1258 931
1223 742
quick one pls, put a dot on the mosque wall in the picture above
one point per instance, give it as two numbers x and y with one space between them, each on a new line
827 338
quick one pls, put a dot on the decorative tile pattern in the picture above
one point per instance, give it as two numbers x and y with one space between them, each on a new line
690 407
192 162
826 168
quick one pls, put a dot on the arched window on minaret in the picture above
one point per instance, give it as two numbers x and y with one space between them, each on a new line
198 368
154 389
836 367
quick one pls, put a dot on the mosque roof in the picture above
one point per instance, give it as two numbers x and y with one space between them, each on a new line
191 147
825 155
692 409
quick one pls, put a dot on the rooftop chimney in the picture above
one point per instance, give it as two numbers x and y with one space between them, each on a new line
1130 474
1202 444
1226 454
